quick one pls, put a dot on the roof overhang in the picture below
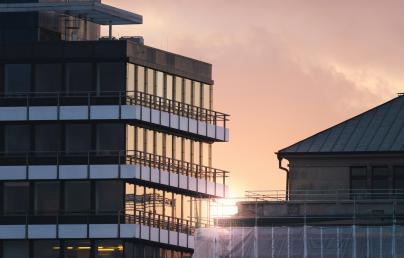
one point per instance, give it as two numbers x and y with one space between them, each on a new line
93 11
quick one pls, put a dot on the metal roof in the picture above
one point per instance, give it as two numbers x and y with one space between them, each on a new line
380 129
91 10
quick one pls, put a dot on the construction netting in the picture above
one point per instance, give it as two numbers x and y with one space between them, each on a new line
300 241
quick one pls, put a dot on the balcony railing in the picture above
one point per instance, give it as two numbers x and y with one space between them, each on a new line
114 217
115 98
114 157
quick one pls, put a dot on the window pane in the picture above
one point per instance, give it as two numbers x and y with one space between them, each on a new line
140 79
130 138
17 78
47 137
111 77
196 156
78 138
159 144
110 137
130 79
17 138
358 171
206 96
79 77
188 91
77 249
187 150
178 148
48 77
47 196
381 178
169 87
197 94
399 178
108 249
77 196
178 88
169 146
109 196
16 249
149 141
150 81
140 139
16 197
46 249
159 84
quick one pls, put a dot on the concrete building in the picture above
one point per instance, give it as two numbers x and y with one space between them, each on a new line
105 144
344 195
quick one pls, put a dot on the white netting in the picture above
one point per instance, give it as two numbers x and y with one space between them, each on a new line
300 241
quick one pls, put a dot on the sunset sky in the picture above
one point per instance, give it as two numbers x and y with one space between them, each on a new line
283 69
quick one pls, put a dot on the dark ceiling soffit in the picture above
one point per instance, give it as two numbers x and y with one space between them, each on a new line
340 154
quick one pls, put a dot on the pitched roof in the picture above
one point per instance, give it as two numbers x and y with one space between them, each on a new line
380 129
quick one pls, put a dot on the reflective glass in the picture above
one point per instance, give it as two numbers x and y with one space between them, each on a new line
78 137
16 249
48 77
159 84
79 77
206 96
110 137
178 88
140 79
16 197
150 81
187 150
17 78
47 137
149 141
140 139
159 144
46 249
178 148
77 196
17 138
188 92
47 197
196 154
109 196
130 137
197 94
130 79
169 87
111 78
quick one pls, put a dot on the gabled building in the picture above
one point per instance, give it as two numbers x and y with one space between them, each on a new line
105 144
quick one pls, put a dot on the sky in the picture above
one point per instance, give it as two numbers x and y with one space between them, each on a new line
283 69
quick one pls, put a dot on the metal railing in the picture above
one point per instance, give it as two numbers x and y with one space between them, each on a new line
114 157
96 217
88 98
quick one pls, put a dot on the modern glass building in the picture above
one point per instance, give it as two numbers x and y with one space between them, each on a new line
105 144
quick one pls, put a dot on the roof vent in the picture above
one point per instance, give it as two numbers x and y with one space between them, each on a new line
107 38
134 39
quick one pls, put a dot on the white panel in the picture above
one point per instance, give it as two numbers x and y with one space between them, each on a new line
227 135
193 126
173 238
155 116
130 112
12 231
155 175
41 231
183 123
183 240
211 131
144 232
174 180
103 230
202 128
192 183
105 112
42 172
130 171
43 113
174 121
164 177
145 173
73 231
12 172
73 171
211 188
220 133
74 113
163 236
165 118
103 171
202 185
154 234
145 114
191 242
183 182
13 113
130 230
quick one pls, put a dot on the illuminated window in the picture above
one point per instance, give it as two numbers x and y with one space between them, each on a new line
46 249
108 249
77 249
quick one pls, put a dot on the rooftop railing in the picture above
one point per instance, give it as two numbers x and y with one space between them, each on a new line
114 157
115 98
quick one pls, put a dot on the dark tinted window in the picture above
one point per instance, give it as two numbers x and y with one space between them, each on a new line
110 137
17 138
14 249
16 197
17 78
111 77
399 178
46 249
47 137
79 77
77 196
109 196
48 77
78 137
47 197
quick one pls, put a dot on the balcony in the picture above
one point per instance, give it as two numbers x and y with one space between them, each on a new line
144 168
138 107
